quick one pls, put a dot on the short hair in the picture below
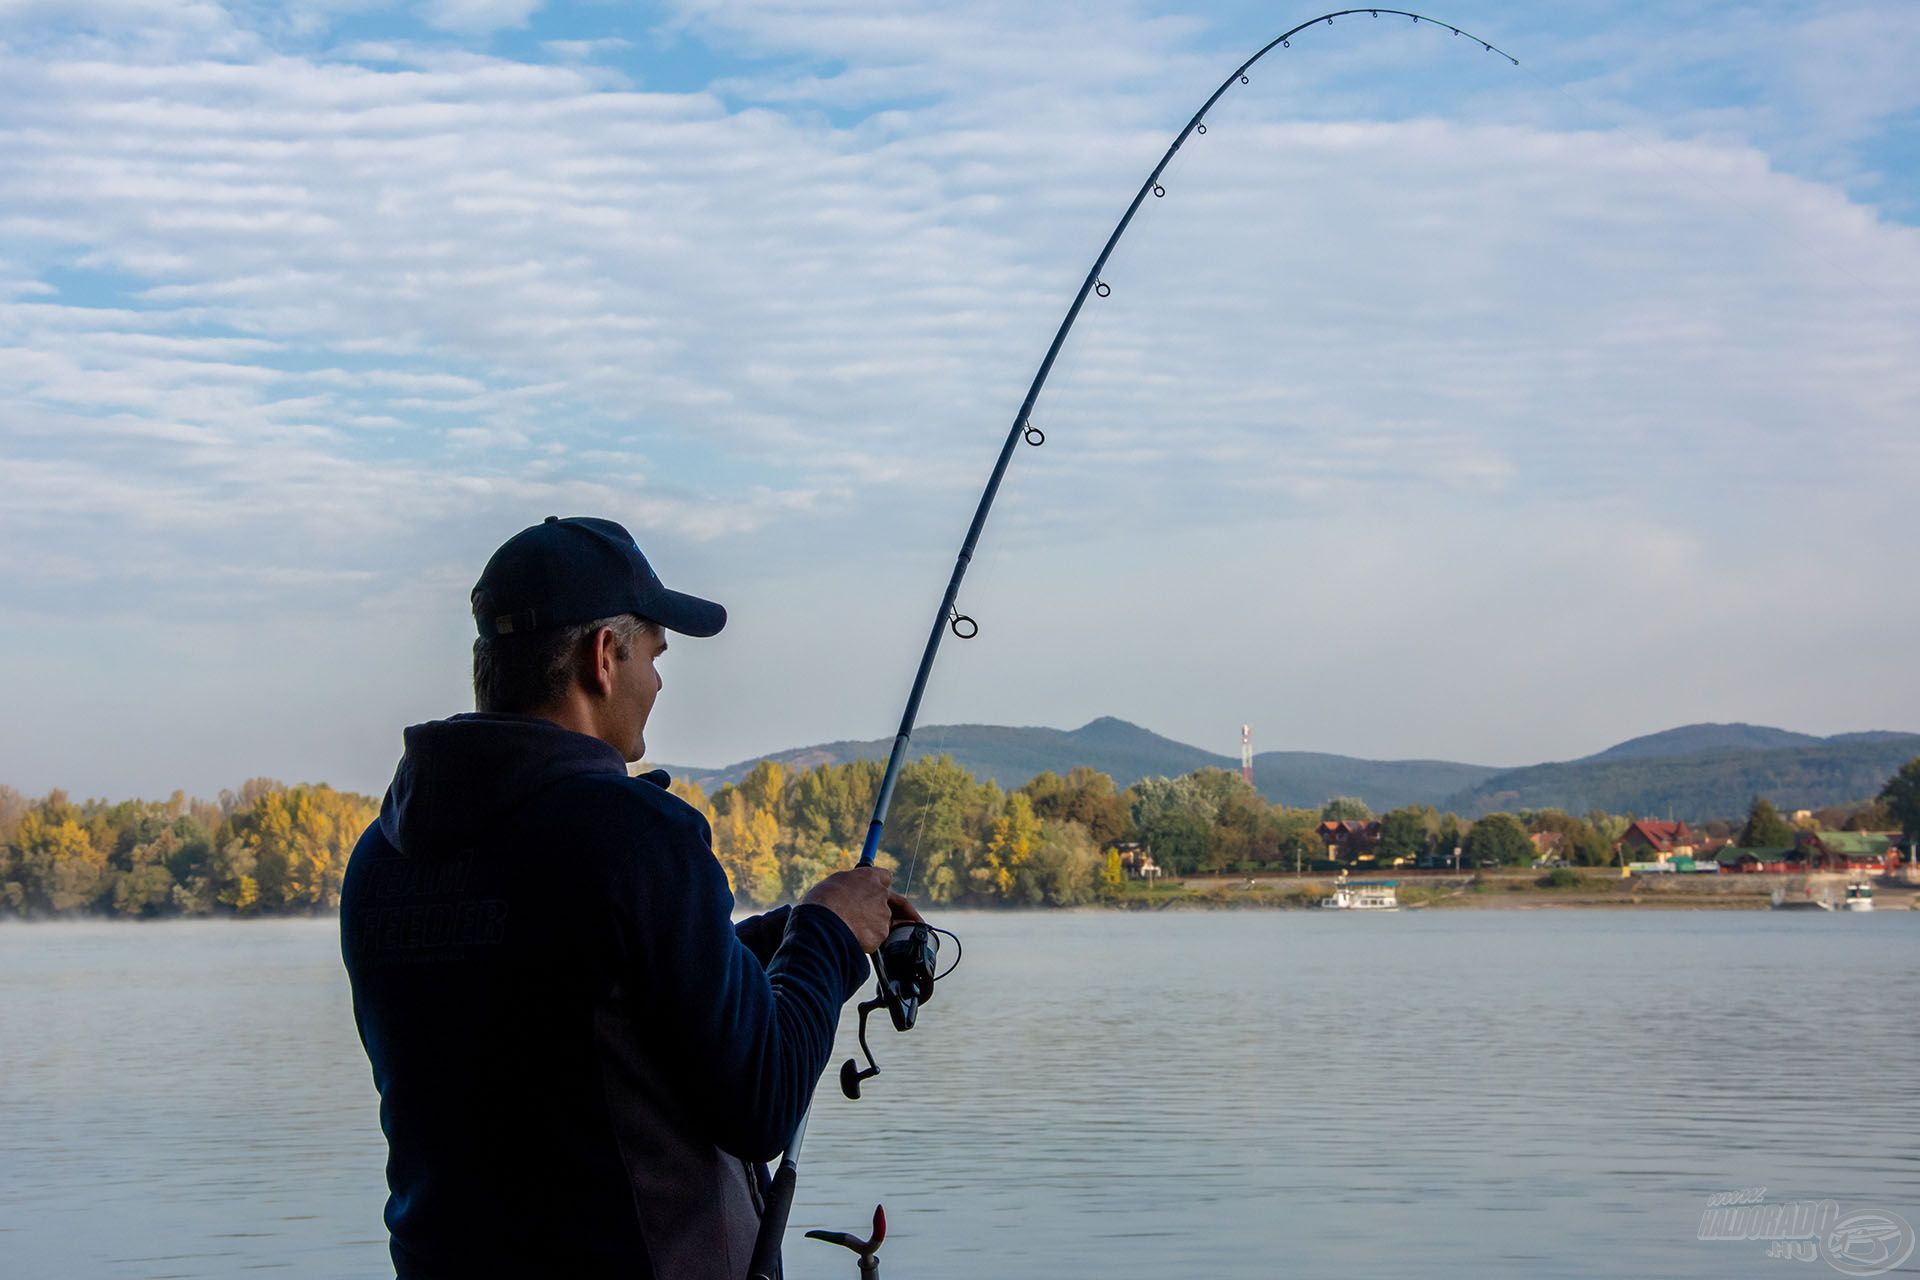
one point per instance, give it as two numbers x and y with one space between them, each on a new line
526 672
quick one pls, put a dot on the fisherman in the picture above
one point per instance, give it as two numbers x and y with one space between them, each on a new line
582 1061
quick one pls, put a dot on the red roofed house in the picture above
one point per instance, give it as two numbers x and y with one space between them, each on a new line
1349 839
1651 840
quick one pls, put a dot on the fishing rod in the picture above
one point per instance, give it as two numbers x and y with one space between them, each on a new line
905 963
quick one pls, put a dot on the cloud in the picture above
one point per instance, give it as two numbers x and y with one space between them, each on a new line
292 329
479 16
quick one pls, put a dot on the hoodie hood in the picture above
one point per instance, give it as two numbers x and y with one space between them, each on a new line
462 776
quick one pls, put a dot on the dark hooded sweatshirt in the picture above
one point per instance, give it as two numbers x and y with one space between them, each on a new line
578 1054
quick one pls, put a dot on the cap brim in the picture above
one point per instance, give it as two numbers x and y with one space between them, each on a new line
688 615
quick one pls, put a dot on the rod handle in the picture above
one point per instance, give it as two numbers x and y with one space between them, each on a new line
773 1226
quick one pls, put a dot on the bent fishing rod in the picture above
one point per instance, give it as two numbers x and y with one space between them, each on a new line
905 963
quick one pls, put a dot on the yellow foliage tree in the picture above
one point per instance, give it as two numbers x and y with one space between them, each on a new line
1009 849
746 841
61 868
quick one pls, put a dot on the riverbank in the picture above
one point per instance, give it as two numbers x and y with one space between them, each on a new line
1503 890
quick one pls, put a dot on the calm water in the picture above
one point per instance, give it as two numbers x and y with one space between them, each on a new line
1421 1095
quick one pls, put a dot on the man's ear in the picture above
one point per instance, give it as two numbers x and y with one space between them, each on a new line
602 655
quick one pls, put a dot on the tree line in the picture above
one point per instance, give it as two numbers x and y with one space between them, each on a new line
265 849
951 838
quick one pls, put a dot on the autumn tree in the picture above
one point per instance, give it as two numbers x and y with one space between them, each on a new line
1085 796
13 807
1009 852
58 865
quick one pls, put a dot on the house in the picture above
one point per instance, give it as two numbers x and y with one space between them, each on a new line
1349 841
1549 848
1735 859
1651 836
1844 850
1137 861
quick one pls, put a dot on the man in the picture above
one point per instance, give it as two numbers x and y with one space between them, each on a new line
580 1059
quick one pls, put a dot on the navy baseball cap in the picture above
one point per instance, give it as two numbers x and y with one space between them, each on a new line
563 572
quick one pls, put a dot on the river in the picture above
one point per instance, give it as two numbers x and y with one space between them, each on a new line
1230 1094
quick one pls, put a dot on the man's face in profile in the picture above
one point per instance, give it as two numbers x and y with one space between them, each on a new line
636 683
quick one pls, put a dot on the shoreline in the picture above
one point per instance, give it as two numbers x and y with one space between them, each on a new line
1596 889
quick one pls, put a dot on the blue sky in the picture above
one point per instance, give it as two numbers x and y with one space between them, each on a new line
1443 408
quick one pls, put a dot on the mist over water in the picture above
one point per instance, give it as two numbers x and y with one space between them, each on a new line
1550 1093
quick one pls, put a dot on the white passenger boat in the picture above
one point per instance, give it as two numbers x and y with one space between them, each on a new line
1362 895
1859 896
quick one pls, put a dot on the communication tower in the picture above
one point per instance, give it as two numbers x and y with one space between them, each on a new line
1246 754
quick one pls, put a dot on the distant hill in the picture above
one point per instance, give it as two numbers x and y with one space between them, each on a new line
1706 784
1008 755
1127 753
1696 771
1693 739
1308 779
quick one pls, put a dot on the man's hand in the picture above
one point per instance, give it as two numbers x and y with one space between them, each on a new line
860 898
903 912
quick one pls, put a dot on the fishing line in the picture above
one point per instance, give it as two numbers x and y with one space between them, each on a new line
906 963
925 812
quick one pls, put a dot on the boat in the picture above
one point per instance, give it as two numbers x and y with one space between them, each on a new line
1362 895
1802 898
1859 896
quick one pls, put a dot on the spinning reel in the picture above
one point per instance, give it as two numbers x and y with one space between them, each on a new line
905 966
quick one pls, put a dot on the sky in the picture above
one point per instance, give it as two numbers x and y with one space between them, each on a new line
1442 408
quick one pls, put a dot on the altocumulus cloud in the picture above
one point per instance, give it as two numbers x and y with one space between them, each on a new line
297 326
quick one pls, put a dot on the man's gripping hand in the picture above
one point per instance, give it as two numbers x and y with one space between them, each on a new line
860 898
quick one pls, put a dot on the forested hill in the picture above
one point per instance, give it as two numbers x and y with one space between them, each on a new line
1127 753
1006 754
1696 739
1713 783
1693 771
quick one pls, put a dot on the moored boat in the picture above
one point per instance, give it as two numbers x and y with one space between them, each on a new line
1363 895
1802 898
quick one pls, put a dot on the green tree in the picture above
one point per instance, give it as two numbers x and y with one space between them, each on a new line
1297 838
1580 843
1765 828
1346 809
1173 817
1408 832
1901 796
1062 869
1499 840
939 811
